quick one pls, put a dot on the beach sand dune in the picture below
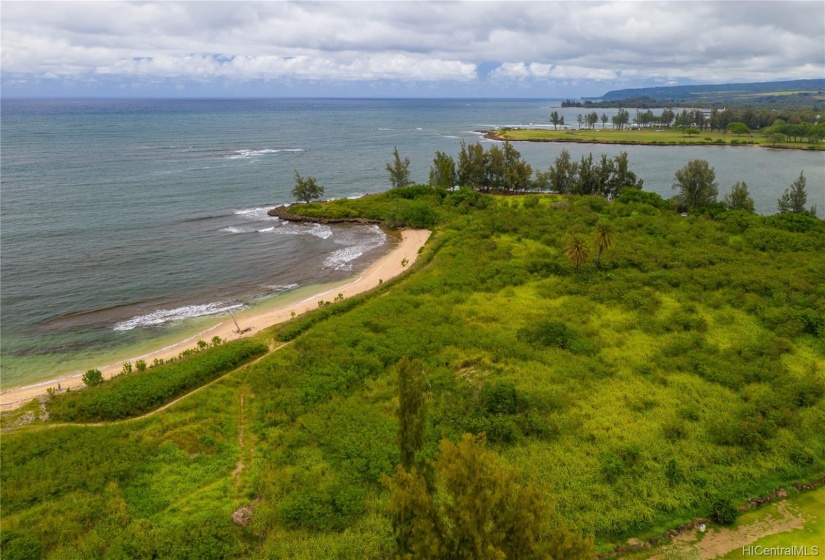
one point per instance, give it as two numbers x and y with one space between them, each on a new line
389 266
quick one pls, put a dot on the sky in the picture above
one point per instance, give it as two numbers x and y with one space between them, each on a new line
400 49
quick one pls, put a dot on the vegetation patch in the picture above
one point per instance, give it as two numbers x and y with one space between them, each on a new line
137 393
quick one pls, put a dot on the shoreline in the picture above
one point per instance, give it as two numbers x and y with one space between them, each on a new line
495 136
385 268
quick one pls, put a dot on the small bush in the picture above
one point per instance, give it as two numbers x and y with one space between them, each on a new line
531 202
546 333
419 215
92 377
638 195
20 546
723 511
414 191
140 365
499 398
673 473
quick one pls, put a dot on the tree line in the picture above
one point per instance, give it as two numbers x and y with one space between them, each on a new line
501 169
698 190
792 125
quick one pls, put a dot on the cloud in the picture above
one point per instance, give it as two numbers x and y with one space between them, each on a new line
521 70
372 67
534 43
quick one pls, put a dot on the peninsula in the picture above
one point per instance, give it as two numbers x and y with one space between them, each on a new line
649 137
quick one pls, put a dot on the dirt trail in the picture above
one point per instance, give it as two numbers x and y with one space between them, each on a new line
239 466
720 541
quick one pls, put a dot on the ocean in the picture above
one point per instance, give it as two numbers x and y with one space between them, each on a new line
127 224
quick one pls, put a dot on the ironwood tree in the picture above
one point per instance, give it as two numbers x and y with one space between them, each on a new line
475 510
399 170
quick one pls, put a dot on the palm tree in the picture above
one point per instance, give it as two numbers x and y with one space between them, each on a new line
578 251
603 241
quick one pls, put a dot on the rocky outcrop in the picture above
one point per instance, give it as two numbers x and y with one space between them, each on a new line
283 213
243 516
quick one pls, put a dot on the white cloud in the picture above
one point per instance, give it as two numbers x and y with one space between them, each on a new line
370 67
521 70
533 42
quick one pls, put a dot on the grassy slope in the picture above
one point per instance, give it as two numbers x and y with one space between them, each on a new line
647 136
681 382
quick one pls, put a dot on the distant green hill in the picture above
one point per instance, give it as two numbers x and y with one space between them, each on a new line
716 90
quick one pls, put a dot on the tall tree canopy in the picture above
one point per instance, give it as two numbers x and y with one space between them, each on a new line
696 183
739 198
795 197
399 170
442 171
475 511
306 189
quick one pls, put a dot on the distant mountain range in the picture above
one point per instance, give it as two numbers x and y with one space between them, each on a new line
717 92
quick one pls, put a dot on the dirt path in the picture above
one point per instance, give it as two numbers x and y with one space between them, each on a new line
239 466
720 541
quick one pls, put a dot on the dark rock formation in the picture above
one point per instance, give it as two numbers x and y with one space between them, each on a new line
283 213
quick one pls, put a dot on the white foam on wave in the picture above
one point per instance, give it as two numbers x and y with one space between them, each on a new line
233 229
246 154
281 287
163 316
341 259
259 213
385 129
318 230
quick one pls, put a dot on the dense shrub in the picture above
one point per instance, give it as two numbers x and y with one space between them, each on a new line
20 546
724 511
643 197
795 221
415 191
546 333
142 391
418 215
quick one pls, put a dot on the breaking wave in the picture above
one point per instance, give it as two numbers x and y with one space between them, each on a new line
246 154
318 230
233 229
357 245
163 316
259 213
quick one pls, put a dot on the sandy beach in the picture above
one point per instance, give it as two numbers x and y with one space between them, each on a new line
385 268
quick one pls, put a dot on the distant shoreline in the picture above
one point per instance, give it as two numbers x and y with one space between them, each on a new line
499 136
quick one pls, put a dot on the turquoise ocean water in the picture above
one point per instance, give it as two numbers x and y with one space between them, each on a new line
128 223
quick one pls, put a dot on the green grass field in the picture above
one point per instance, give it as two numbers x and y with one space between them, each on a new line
666 136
